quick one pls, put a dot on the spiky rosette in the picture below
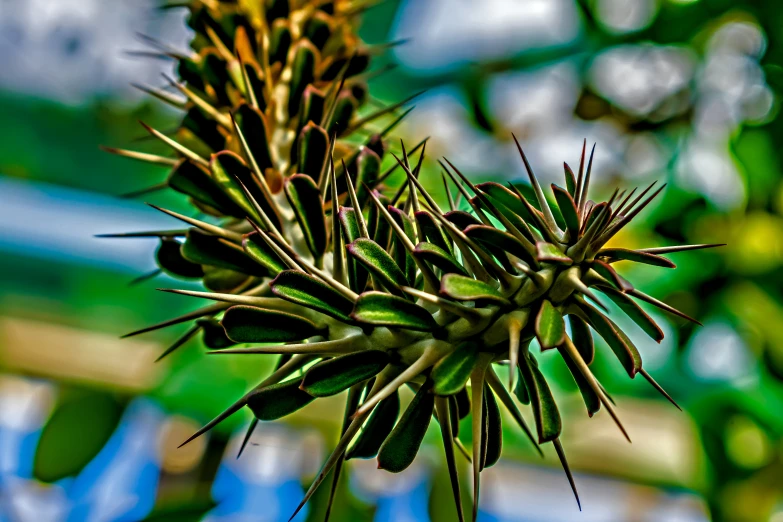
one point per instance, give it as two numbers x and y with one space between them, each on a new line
366 290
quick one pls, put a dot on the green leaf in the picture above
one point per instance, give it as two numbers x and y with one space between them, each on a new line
634 311
439 258
76 432
313 150
550 327
305 200
451 373
463 403
357 274
493 429
302 74
249 324
606 271
379 263
381 309
253 125
278 400
222 280
332 376
402 444
620 344
169 258
548 423
368 168
503 197
460 219
229 170
499 239
464 288
568 211
258 250
582 338
279 39
592 401
570 181
430 230
214 337
547 252
623 254
305 290
377 428
401 255
194 181
379 228
520 389
206 249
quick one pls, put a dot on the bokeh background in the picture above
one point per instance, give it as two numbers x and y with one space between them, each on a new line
685 91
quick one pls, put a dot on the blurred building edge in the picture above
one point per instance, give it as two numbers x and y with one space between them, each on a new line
264 484
75 50
75 355
513 492
666 447
399 497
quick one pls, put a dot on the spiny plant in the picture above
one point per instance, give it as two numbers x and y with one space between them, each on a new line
358 287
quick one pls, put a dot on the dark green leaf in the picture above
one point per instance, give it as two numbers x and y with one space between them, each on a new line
635 312
520 390
169 258
222 280
439 258
193 180
381 309
568 210
335 375
305 200
570 181
248 324
582 338
401 255
357 274
379 263
592 401
430 230
253 125
229 170
499 239
623 254
550 327
278 400
206 249
620 344
259 251
460 219
214 337
548 423
368 167
313 150
305 290
451 373
402 444
377 428
610 274
302 74
493 429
